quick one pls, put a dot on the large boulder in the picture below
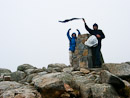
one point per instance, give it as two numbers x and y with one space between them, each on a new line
107 77
85 90
7 85
56 67
68 69
92 90
128 62
25 67
103 91
79 81
32 71
18 76
52 85
29 78
17 90
122 70
4 71
125 91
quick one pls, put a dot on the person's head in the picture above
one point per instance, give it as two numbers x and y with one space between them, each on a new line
74 35
95 26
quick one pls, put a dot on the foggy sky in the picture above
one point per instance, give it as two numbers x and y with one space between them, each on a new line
30 32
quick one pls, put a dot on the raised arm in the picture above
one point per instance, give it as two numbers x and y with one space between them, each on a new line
87 28
78 32
68 34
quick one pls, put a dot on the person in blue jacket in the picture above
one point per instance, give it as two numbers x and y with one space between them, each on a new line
96 50
72 45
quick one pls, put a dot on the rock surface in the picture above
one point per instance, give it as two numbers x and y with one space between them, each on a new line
121 70
25 67
107 77
17 90
61 81
52 85
3 70
17 76
55 67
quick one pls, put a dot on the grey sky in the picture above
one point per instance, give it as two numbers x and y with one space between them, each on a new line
30 31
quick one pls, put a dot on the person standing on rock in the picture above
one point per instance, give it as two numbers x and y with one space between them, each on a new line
96 50
72 45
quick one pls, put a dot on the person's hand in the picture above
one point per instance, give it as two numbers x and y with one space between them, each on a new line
83 20
77 29
98 36
69 29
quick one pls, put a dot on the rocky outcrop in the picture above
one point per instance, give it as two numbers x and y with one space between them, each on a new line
64 82
55 67
17 90
107 77
3 70
25 67
122 70
17 76
52 85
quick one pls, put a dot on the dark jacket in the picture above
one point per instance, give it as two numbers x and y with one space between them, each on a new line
72 41
95 32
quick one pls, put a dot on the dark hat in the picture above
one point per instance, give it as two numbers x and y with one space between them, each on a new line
95 25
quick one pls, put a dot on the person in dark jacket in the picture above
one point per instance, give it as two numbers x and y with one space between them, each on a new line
96 50
72 45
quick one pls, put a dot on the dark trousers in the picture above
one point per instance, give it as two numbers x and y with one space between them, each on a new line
96 56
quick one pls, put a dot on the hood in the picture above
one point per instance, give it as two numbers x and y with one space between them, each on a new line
72 34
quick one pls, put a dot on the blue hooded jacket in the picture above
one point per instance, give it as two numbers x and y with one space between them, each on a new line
72 40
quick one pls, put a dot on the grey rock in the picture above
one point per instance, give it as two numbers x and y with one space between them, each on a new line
44 68
92 90
51 83
51 70
29 78
17 76
79 81
17 90
25 67
122 70
4 71
86 90
31 71
1 78
81 46
77 73
42 73
128 63
8 85
107 77
55 67
68 69
103 91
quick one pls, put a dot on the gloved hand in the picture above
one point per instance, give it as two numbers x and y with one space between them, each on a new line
77 29
69 29
84 20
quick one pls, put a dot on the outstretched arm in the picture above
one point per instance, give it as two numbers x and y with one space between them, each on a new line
68 34
87 28
78 32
